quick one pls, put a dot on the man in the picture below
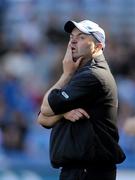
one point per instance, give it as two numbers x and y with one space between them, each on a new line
81 108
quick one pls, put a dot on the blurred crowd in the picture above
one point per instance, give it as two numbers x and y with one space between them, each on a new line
32 46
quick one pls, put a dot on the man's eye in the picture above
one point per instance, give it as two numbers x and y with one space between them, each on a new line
81 37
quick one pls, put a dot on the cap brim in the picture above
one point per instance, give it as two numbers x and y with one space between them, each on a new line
69 26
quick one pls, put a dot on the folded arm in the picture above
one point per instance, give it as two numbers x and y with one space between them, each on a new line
50 121
47 117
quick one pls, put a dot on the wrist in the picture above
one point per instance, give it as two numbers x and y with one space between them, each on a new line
64 79
67 75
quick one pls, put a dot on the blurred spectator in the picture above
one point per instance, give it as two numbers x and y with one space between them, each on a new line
3 46
129 126
14 132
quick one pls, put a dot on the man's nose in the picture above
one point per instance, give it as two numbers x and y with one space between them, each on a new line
74 41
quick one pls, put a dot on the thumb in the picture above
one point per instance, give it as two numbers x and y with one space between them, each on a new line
78 62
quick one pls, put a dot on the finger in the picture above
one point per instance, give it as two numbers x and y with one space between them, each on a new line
68 54
76 117
84 112
70 115
73 119
69 118
78 113
78 61
69 44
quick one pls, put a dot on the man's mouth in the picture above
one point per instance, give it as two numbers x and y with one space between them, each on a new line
73 49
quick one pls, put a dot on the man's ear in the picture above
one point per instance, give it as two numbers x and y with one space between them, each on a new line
98 46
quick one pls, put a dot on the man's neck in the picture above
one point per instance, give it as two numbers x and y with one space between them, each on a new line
85 60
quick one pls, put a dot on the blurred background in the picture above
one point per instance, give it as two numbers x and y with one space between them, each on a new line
32 46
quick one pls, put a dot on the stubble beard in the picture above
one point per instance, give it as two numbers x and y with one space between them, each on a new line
75 56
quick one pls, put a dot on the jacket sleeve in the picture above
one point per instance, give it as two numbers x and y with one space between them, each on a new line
80 89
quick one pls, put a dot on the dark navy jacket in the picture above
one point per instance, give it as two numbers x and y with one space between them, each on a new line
87 142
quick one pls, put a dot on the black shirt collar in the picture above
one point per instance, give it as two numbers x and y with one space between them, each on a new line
95 61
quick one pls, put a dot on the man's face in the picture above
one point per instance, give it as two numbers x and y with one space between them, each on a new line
82 45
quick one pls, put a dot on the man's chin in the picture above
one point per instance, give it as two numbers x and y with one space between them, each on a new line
75 58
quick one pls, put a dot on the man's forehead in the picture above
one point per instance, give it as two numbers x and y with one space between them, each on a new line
76 31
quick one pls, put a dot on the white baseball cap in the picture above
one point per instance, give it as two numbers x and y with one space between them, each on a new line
87 27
